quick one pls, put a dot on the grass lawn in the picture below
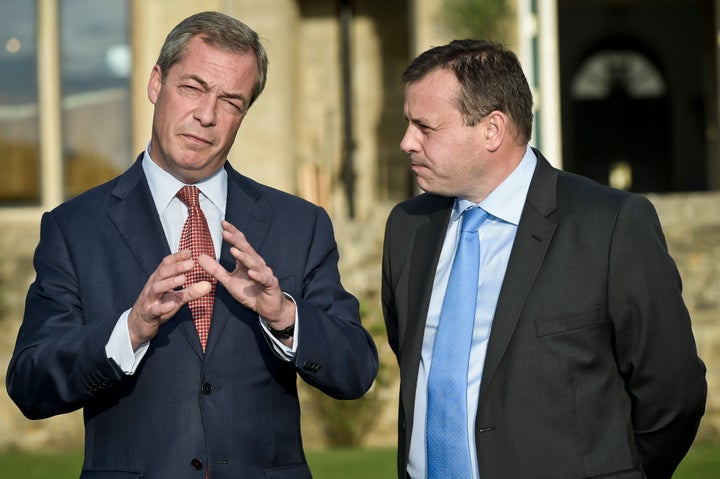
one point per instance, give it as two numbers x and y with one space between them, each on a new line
334 464
702 462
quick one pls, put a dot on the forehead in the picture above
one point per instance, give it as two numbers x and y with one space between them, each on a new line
215 65
436 92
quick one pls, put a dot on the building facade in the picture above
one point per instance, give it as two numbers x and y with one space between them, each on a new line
626 91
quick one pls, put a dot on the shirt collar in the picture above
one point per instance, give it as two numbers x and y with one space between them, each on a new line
164 186
506 202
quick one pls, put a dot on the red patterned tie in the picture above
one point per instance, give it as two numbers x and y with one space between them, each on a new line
196 237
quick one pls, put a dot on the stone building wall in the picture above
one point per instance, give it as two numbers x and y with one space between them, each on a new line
18 240
691 223
692 227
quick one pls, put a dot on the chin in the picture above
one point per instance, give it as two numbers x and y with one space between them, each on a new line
424 185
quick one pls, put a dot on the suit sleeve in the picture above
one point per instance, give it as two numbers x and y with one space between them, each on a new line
59 361
388 289
655 348
335 353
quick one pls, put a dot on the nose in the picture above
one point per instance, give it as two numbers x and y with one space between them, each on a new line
409 143
206 110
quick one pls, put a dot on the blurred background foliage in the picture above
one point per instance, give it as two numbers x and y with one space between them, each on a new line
486 19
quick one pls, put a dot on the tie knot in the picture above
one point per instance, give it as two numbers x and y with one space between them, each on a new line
473 218
189 195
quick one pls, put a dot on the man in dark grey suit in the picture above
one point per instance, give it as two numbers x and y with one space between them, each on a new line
580 358
107 327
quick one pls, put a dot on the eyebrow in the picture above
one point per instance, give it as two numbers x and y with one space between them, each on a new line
233 96
418 120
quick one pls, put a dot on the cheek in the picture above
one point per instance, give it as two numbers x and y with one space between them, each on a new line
165 115
226 130
234 125
452 160
442 154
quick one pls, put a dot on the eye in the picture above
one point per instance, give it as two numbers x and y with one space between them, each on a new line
189 90
233 106
424 129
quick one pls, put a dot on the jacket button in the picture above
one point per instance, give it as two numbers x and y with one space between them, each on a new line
311 366
207 388
196 464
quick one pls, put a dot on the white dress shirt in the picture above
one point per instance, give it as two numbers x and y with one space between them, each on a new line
173 213
497 234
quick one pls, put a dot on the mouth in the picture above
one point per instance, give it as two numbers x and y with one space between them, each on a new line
194 139
415 166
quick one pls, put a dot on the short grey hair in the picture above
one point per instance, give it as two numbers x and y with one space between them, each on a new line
220 31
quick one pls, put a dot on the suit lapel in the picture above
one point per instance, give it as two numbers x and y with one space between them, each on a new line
533 237
136 219
427 246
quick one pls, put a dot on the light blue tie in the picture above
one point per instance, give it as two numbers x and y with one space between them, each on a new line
448 454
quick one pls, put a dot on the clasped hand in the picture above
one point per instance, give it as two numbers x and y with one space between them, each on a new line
252 283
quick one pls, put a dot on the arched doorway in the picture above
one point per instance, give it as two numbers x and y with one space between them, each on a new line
638 92
621 110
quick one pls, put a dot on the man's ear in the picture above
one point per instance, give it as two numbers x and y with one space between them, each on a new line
496 128
154 84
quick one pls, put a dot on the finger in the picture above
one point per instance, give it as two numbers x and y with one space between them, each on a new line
229 227
182 255
235 237
173 301
213 268
241 249
173 265
195 291
248 258
265 278
165 310
162 286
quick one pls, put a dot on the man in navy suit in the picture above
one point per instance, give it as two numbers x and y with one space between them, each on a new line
107 327
580 357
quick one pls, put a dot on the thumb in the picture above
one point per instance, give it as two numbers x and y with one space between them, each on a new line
196 290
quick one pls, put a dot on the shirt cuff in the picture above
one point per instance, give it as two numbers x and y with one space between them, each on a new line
282 351
119 347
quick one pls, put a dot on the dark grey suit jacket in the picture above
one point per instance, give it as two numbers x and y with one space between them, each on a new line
591 368
235 407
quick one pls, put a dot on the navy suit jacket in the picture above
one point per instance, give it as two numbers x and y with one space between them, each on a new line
591 367
234 408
